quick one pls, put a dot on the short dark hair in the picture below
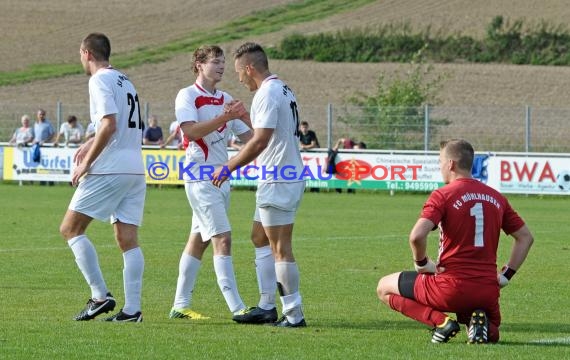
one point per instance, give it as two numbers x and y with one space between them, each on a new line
361 144
98 45
205 53
459 150
71 118
304 123
255 55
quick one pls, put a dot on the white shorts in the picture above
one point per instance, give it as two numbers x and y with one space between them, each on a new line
277 203
210 205
114 197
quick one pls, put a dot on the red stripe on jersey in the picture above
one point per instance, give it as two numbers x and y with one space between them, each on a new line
185 139
208 100
185 142
202 144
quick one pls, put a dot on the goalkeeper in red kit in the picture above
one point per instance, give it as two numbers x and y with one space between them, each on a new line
470 216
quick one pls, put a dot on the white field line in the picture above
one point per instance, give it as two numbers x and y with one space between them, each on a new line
564 341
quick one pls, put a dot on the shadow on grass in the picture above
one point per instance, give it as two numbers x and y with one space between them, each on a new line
372 324
390 325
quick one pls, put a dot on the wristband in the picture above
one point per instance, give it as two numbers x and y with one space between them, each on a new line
508 272
421 262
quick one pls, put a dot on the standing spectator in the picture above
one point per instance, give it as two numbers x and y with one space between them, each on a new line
23 135
307 138
175 135
153 133
275 145
470 216
71 130
234 142
345 143
43 133
109 173
206 115
43 130
90 132
359 145
176 138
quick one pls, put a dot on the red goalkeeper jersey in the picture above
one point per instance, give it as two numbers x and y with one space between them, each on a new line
470 216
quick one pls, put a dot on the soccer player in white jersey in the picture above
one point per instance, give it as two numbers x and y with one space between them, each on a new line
207 117
275 144
109 175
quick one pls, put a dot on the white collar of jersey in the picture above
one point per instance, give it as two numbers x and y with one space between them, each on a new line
269 78
204 90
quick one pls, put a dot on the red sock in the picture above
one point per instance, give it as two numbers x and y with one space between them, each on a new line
417 311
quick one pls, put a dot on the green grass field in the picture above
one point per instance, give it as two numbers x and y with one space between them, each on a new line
343 243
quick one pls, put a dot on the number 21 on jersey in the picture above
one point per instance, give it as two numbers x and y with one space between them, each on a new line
133 102
295 113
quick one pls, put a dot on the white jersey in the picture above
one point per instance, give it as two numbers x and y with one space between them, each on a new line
111 92
71 134
175 127
274 106
90 129
195 103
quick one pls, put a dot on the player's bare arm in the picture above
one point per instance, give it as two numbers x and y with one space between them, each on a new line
418 244
246 120
237 105
82 151
521 247
247 154
418 238
106 130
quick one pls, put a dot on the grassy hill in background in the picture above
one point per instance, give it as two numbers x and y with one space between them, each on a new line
154 24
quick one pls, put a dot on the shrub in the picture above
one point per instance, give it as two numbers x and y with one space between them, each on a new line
393 117
505 42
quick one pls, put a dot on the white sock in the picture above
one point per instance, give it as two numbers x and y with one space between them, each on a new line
288 276
133 267
224 269
86 259
187 274
266 278
293 307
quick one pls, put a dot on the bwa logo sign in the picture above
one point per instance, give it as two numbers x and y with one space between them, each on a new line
531 174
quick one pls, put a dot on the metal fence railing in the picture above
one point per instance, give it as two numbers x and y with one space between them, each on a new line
520 129
488 128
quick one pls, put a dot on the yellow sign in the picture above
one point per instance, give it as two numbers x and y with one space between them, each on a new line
162 166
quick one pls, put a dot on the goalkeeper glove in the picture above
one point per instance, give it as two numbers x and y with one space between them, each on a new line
425 266
505 276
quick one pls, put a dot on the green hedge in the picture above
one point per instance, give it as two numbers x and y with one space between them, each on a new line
542 44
